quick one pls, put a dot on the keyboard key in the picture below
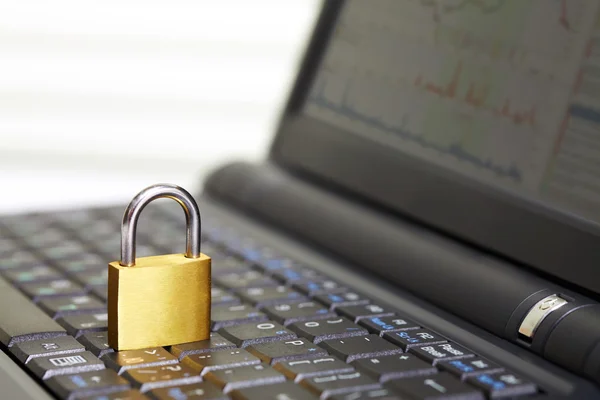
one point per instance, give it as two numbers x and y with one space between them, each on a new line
380 325
435 387
83 262
275 263
39 273
229 315
397 366
91 278
441 352
216 342
125 395
260 296
59 287
227 265
25 351
293 275
221 359
331 328
288 313
23 320
412 338
469 367
129 359
87 384
358 312
18 260
285 350
333 300
79 324
96 342
220 296
63 250
314 287
300 369
196 391
503 384
376 394
150 378
256 332
243 377
66 305
245 279
353 348
100 292
329 385
278 391
62 364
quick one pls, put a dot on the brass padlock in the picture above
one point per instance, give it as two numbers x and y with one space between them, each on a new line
160 300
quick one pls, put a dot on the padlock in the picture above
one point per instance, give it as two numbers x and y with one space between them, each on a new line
159 300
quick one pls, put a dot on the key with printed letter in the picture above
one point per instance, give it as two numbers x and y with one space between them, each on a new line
220 359
278 391
357 312
79 324
334 300
300 369
381 325
331 328
229 315
261 332
242 377
25 351
503 384
397 366
441 352
285 350
132 394
375 394
65 305
288 313
87 384
435 387
216 342
150 378
96 342
61 364
123 360
264 296
469 367
196 391
417 337
352 348
328 385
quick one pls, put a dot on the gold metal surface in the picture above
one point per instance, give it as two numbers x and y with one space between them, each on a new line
161 301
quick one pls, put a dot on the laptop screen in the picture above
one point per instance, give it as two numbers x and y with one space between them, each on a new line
506 92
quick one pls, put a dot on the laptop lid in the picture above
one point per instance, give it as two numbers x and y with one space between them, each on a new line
480 119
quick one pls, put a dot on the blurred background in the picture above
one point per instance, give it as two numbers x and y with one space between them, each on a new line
101 98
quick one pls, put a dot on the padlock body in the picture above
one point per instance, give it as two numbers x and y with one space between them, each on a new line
161 301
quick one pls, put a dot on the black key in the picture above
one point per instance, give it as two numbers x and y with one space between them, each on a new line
220 296
87 384
229 315
393 367
100 292
59 287
18 260
333 300
294 275
353 348
196 391
62 364
503 384
314 287
125 395
441 352
469 367
227 264
412 338
129 359
23 320
329 385
380 325
260 296
222 359
150 378
256 332
245 279
243 377
39 273
63 250
92 278
363 311
96 342
278 391
275 263
435 387
79 324
288 313
301 369
66 305
83 262
285 350
26 351
376 394
331 328
216 342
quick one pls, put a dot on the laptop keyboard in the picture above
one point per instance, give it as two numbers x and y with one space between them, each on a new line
280 330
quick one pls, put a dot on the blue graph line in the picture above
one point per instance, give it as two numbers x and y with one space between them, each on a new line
453 149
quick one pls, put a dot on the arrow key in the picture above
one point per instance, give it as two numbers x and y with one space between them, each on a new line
435 387
394 367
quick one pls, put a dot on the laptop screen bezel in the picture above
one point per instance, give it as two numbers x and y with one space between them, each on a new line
529 232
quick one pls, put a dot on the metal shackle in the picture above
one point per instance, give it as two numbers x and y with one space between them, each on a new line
137 204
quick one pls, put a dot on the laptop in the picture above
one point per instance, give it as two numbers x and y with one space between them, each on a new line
425 227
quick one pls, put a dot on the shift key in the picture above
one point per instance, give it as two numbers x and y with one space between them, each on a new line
23 320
